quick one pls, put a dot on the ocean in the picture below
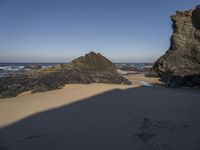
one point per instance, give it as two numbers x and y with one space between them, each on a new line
8 69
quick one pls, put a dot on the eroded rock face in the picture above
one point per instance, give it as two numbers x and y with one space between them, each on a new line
180 66
88 69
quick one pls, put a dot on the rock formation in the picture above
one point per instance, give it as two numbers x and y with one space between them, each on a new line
88 69
180 66
94 62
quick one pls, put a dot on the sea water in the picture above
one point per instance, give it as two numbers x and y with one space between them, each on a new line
7 69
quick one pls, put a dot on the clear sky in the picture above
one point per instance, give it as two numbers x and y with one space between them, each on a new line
59 30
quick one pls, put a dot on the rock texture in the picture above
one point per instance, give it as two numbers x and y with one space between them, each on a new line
180 66
88 69
94 62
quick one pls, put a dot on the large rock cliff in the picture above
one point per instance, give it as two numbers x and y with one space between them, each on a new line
180 66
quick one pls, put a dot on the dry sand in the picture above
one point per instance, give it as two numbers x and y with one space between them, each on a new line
140 79
102 116
26 104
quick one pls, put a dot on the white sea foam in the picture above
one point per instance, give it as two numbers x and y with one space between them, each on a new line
11 68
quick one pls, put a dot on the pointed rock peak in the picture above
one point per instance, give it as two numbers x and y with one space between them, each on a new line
94 61
91 53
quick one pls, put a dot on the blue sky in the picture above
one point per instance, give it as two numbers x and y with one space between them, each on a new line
59 30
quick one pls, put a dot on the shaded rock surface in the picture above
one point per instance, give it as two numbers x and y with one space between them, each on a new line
92 68
180 66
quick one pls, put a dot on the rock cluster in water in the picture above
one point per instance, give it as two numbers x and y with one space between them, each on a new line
180 66
92 68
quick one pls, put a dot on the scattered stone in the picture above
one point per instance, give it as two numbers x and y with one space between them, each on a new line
33 67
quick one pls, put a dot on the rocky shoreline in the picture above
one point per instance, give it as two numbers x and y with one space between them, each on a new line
92 68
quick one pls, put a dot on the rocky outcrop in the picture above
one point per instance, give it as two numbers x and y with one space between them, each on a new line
180 66
33 67
94 62
92 68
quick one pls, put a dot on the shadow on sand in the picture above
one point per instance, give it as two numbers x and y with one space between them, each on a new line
136 118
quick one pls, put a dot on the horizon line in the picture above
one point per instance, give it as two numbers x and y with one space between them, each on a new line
64 62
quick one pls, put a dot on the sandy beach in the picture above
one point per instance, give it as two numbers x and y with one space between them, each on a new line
102 116
27 104
99 75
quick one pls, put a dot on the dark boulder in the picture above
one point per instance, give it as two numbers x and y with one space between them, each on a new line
33 67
